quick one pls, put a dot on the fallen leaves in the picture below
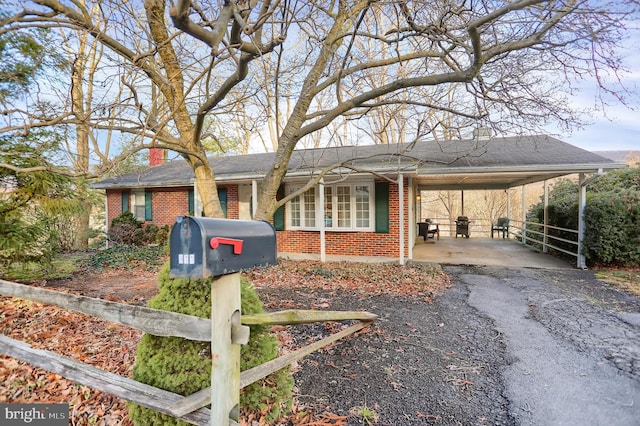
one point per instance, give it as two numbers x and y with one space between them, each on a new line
91 340
111 347
361 279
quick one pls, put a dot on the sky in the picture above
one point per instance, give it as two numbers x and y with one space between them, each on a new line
618 127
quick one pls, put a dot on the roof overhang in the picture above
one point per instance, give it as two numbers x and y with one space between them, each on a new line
503 177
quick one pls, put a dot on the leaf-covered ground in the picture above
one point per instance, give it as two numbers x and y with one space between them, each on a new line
112 347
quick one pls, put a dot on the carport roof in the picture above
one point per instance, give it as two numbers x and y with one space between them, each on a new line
494 163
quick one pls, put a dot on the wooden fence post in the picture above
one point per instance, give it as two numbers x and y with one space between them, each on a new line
225 354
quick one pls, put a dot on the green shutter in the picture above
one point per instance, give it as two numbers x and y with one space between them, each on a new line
125 202
192 202
278 216
222 196
148 206
382 207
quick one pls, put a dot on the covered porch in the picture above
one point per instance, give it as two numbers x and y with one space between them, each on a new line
486 252
507 168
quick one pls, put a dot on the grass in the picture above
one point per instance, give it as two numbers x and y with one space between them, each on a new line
627 280
364 412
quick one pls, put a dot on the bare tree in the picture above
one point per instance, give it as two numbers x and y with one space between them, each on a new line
507 63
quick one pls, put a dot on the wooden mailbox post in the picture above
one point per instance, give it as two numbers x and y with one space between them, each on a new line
220 249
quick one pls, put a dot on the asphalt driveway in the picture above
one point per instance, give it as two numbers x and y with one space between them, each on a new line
573 349
517 346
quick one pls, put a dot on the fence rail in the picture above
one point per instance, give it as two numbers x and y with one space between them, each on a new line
160 323
524 231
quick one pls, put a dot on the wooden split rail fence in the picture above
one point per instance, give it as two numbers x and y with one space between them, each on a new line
161 323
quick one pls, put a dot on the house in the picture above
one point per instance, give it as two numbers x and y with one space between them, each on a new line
367 205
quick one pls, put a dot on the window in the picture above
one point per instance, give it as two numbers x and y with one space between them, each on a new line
347 207
141 205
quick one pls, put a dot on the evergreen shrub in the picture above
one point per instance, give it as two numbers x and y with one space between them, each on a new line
612 228
183 366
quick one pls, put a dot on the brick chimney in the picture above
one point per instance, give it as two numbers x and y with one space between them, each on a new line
156 157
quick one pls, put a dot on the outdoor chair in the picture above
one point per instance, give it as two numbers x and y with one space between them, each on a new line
502 225
462 226
428 230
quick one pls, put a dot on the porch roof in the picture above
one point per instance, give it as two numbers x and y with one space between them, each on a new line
494 163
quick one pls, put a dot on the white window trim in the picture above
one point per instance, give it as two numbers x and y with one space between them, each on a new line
137 204
319 209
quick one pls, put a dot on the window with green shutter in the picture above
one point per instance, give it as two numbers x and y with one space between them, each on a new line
192 202
222 196
382 207
148 206
278 216
125 201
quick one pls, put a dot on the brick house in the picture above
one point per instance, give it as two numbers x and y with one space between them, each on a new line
367 202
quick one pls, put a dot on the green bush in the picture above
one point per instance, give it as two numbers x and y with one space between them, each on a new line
612 222
612 228
184 366
126 229
126 257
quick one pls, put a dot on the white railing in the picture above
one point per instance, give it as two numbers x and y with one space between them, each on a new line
534 234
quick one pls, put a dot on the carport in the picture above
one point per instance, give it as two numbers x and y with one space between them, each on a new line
509 166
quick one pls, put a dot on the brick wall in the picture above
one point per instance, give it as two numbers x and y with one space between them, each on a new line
352 243
169 203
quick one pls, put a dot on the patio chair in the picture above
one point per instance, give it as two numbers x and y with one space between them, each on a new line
502 225
462 226
428 230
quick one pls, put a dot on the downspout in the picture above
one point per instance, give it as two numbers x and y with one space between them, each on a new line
582 203
323 255
401 215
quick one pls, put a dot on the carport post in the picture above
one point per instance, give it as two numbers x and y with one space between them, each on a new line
545 218
582 203
524 215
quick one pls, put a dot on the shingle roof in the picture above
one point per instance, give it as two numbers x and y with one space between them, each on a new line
464 156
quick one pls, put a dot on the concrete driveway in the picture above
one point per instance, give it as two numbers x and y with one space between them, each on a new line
485 251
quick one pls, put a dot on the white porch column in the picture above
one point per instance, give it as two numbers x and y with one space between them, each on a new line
401 215
545 218
197 201
412 217
254 198
323 255
524 215
582 202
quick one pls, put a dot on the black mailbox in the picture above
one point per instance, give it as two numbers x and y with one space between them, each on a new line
205 247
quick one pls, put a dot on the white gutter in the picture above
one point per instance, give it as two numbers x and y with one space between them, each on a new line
541 168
